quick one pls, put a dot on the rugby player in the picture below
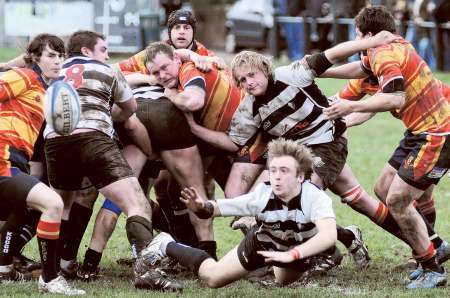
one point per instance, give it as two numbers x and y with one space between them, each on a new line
90 151
22 94
295 221
287 103
410 89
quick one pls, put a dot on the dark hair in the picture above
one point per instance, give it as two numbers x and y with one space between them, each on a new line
156 48
375 19
35 48
181 17
82 39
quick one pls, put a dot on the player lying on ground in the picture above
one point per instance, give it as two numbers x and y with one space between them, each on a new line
295 222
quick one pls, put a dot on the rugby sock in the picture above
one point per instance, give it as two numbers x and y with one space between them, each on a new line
433 236
428 260
47 236
187 256
210 247
385 220
91 260
79 218
27 231
428 210
9 236
139 233
382 216
64 237
345 236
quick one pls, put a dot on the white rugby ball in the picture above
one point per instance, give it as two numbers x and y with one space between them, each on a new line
62 107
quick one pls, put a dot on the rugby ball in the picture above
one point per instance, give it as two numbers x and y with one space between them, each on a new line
62 107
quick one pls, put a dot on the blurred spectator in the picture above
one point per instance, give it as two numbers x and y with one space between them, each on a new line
442 15
169 6
294 32
419 36
320 34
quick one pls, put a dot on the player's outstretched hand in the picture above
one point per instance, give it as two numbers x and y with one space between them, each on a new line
338 108
276 256
193 201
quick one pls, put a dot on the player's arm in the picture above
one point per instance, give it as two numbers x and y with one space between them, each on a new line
349 48
19 61
391 98
191 99
245 205
204 63
138 134
123 110
325 238
11 85
139 79
352 70
355 119
218 139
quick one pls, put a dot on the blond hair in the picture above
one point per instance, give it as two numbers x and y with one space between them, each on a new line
282 147
252 60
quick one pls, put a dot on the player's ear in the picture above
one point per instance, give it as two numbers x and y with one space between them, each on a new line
85 51
301 176
176 58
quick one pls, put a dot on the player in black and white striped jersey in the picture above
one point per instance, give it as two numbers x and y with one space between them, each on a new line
286 102
295 221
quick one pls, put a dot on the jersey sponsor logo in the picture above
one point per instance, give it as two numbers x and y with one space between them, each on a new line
437 173
266 125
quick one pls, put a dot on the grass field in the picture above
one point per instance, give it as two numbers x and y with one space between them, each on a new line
370 146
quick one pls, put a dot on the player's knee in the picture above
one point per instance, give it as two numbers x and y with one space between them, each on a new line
380 191
53 205
214 281
396 202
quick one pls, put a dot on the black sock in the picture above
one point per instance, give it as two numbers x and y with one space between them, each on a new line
431 264
345 236
434 237
210 247
431 218
47 250
187 256
91 260
9 236
79 219
64 236
27 231
139 233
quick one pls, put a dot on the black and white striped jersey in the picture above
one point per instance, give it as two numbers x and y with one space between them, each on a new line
292 107
281 225
148 92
